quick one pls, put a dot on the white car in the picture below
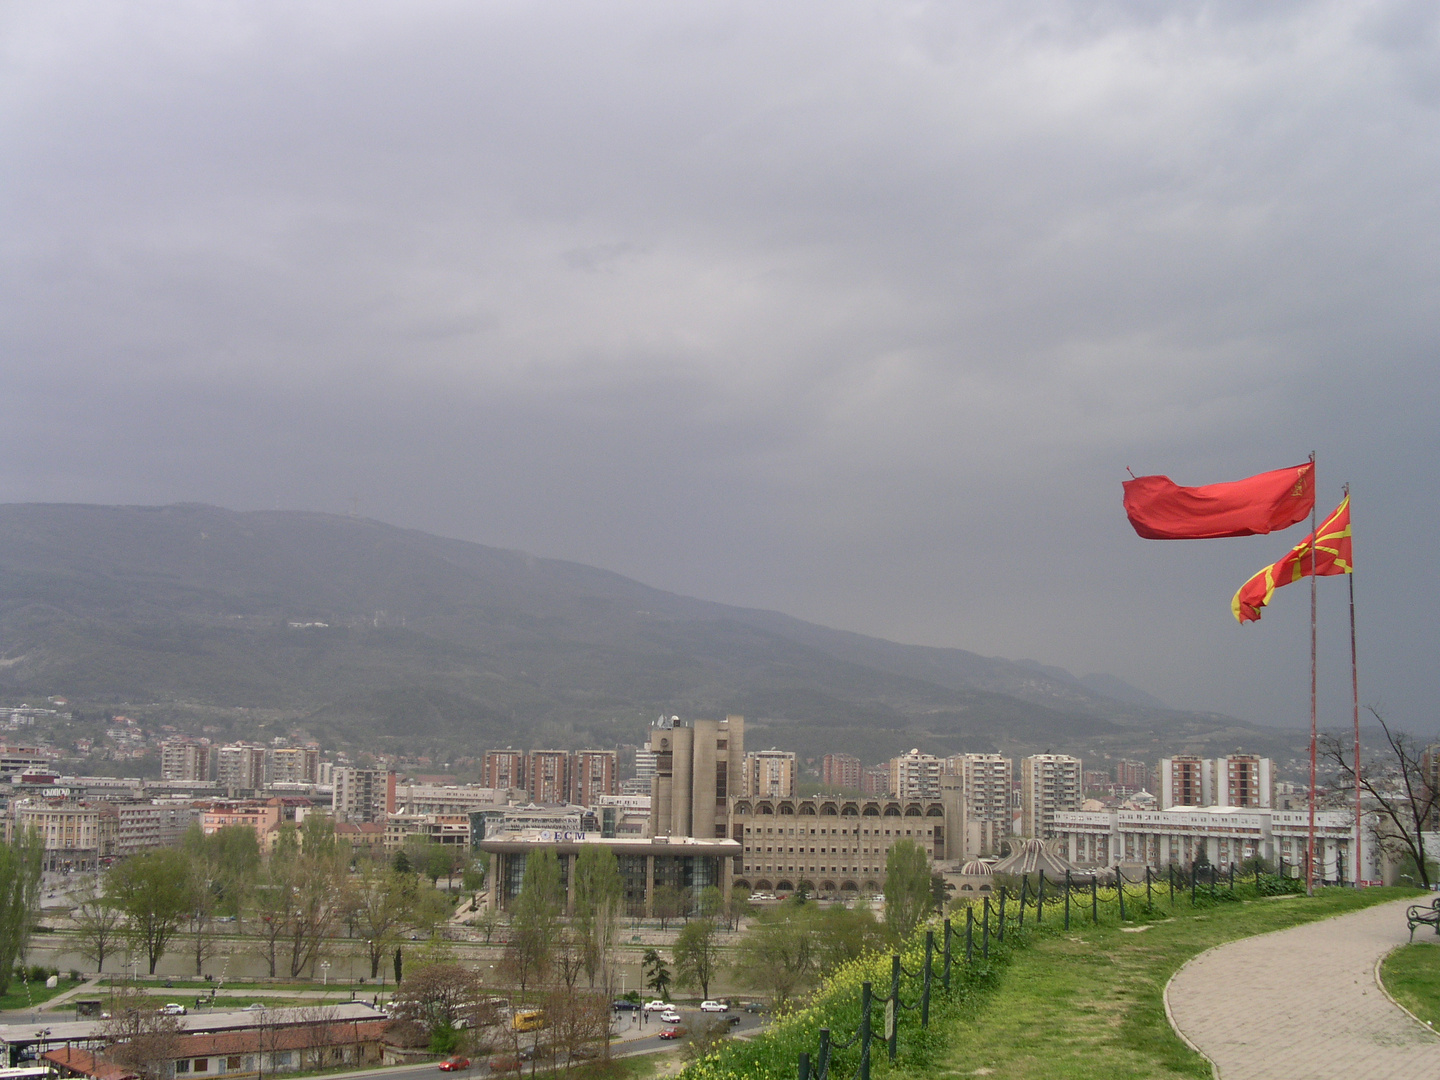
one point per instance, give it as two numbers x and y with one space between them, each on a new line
670 1016
658 1006
714 1006
174 1008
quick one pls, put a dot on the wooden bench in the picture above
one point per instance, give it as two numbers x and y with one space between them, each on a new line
1423 915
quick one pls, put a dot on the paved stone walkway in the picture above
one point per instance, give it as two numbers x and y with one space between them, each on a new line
1303 1003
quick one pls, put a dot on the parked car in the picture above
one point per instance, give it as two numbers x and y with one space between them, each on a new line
173 1008
754 1006
714 1006
670 1016
673 1033
626 1005
505 1063
454 1064
733 1019
254 1006
657 1006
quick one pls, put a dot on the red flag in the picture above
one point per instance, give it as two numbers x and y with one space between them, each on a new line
1332 556
1160 509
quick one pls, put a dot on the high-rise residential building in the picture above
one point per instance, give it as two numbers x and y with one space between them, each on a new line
548 773
1186 780
695 766
240 767
1430 784
875 780
185 760
769 773
914 775
364 794
1048 783
1242 780
1130 776
592 775
644 778
295 765
985 792
840 772
504 769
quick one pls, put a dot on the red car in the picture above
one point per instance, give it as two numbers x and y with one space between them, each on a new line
454 1064
673 1033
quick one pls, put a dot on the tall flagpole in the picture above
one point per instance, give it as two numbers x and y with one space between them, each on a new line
1314 698
1355 696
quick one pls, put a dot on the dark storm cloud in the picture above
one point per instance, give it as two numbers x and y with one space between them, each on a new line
858 312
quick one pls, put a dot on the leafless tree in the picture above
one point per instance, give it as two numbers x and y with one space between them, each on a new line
1407 805
138 1036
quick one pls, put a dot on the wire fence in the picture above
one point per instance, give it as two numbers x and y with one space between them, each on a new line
959 958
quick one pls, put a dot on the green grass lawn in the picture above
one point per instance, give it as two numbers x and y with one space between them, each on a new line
1412 974
17 997
1088 1004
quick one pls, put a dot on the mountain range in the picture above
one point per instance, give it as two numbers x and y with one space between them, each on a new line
364 634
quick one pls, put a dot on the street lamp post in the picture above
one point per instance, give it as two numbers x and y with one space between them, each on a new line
325 973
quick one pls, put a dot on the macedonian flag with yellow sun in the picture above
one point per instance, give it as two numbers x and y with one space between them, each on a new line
1332 557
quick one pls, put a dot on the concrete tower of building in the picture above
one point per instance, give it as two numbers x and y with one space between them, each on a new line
1130 776
768 772
1048 783
695 765
295 765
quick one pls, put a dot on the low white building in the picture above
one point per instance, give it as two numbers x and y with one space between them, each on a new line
1226 835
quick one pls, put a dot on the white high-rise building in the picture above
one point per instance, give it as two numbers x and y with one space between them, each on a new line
240 767
986 786
1048 783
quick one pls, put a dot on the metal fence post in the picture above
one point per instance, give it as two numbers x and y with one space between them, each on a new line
822 1060
804 1065
1095 896
1002 912
892 1013
1067 899
1171 868
1120 889
945 974
1148 902
925 991
985 938
1024 895
1232 879
1193 871
1040 898
1213 875
865 1036
970 933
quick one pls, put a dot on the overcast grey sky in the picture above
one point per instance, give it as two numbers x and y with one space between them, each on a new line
855 311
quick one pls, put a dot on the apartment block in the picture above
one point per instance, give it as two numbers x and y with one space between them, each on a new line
914 775
364 794
240 767
1048 783
840 772
593 776
1130 776
504 769
549 774
768 772
1186 780
186 761
1242 780
985 793
875 780
295 765
77 835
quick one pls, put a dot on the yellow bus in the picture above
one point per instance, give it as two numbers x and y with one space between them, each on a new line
528 1019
